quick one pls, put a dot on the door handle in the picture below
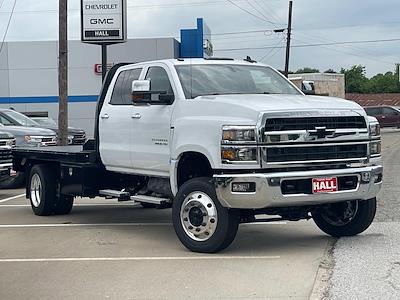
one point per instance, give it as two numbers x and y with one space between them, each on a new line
136 116
105 116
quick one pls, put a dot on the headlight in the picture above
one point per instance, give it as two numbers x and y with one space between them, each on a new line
238 134
375 148
239 154
375 129
32 139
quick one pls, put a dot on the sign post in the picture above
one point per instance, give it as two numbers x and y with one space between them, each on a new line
103 22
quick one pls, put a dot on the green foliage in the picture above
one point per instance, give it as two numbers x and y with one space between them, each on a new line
357 82
306 70
355 78
330 71
383 83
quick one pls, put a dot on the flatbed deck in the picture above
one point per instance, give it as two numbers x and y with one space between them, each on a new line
62 154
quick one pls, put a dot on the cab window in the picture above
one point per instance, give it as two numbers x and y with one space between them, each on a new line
123 87
159 82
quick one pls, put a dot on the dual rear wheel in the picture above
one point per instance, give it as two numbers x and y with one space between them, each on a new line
42 190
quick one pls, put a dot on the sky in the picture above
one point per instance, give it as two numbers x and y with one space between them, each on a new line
314 22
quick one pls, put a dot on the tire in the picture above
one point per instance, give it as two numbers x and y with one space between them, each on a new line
14 182
356 223
42 190
64 205
196 207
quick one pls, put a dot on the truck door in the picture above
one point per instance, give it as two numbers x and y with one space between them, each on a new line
151 127
115 123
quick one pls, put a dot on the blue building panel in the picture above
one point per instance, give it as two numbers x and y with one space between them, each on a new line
196 43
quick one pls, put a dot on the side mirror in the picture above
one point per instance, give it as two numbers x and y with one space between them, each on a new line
141 91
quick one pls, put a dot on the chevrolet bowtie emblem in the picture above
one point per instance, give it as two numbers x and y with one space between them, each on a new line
321 133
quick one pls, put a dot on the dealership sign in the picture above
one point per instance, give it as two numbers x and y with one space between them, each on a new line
103 21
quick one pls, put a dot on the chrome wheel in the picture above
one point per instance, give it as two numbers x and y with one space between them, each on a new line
199 216
35 190
340 214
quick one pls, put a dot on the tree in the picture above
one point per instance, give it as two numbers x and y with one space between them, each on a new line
306 70
383 83
330 71
356 81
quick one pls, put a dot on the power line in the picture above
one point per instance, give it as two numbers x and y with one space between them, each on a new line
243 32
358 49
272 49
315 45
147 6
354 54
257 9
250 13
8 26
270 10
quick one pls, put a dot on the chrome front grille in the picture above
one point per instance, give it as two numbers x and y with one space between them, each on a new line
284 124
5 156
337 152
301 139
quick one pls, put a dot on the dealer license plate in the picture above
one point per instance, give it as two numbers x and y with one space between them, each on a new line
324 185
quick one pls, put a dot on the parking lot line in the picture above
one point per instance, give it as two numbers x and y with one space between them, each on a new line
81 225
157 258
77 204
12 198
110 224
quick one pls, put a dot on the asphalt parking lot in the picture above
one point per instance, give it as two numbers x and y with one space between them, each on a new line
110 250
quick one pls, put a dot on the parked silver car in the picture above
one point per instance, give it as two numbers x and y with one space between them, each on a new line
7 142
30 137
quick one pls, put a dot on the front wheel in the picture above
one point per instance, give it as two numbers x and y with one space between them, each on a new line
201 223
345 218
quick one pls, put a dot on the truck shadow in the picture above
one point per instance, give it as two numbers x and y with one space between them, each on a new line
262 239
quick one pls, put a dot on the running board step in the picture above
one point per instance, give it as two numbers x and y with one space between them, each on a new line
149 199
120 195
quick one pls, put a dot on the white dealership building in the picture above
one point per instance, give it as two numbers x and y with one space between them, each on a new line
29 74
29 71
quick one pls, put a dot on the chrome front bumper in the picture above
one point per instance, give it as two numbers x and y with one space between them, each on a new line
268 191
5 166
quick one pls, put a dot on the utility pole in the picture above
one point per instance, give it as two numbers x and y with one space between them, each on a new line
103 61
62 74
289 33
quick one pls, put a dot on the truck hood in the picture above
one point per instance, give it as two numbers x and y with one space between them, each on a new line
280 102
22 130
6 135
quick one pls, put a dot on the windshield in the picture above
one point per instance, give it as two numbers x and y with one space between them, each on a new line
200 80
20 119
45 121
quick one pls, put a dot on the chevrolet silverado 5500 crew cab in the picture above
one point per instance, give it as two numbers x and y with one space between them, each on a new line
223 142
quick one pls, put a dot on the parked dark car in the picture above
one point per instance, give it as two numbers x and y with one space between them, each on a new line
76 136
9 117
388 116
